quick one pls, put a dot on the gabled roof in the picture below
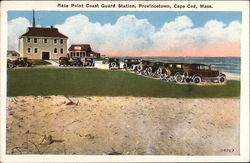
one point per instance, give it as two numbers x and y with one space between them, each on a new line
43 32
80 47
11 51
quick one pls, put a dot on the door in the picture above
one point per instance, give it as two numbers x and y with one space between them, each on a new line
45 56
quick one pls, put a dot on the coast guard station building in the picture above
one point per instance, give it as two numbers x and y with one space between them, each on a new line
42 43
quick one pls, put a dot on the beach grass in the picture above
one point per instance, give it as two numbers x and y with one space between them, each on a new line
96 82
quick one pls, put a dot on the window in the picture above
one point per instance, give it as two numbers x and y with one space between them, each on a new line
206 67
45 41
55 41
61 41
77 54
61 50
178 66
35 50
28 50
55 50
35 40
28 40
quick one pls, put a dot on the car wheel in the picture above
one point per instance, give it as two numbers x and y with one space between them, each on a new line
26 64
150 71
11 65
222 79
125 66
159 73
197 79
133 68
113 64
179 78
139 68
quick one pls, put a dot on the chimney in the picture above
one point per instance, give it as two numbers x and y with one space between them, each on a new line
51 26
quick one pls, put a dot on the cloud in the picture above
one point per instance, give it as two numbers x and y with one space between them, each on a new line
127 35
16 27
130 36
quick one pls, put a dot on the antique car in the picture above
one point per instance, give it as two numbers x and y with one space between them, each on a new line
131 64
105 60
114 63
144 67
64 61
89 62
76 62
19 62
194 73
154 69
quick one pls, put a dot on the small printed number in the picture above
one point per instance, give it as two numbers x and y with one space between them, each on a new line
227 150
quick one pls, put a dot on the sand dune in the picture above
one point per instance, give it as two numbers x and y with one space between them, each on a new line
122 125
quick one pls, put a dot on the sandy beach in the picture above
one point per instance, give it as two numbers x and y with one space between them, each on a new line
122 125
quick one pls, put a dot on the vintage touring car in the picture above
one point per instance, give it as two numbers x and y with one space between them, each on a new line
65 61
114 63
192 72
19 62
131 63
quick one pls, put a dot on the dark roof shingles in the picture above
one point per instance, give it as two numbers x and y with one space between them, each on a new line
84 47
43 32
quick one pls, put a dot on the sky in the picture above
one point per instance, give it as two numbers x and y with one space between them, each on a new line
140 33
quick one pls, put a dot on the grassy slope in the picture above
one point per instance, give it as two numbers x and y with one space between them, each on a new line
94 82
39 62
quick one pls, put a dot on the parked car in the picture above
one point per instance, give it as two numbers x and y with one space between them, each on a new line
76 62
64 61
19 62
154 69
143 67
89 62
194 72
131 64
105 60
114 63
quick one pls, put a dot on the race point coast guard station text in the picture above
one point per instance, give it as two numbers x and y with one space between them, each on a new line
134 6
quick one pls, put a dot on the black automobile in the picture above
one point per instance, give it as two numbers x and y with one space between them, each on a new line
143 67
19 62
131 64
154 69
64 61
105 60
114 63
194 72
76 62
89 62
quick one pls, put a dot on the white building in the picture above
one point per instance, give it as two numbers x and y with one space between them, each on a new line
11 54
43 43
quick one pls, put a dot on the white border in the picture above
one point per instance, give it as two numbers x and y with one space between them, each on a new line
51 5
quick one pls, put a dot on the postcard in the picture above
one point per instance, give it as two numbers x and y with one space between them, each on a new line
124 81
